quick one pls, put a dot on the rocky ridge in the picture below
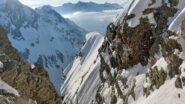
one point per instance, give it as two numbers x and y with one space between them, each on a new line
141 60
141 55
31 81
41 36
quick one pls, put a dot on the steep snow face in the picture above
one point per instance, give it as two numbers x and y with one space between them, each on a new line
175 25
136 8
162 79
122 80
42 36
82 79
7 88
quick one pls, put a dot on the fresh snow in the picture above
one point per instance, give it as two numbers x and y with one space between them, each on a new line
161 64
182 67
83 79
120 101
32 66
175 26
1 65
7 88
107 93
42 36
137 7
166 94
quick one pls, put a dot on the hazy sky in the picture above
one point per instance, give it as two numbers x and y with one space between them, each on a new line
36 3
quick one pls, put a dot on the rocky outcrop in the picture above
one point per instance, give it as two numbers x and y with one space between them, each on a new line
183 29
32 83
149 44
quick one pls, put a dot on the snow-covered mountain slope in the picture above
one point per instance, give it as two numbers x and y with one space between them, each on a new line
80 6
82 78
32 84
142 56
42 36
147 58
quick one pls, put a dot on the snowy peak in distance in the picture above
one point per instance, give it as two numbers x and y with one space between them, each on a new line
42 36
86 7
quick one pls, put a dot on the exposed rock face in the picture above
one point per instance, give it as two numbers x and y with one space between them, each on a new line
130 45
32 84
183 29
146 53
142 57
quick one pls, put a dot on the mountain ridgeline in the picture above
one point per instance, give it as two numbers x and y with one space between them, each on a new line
141 60
42 36
80 6
145 56
32 83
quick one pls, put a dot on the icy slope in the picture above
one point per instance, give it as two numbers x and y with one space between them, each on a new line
82 76
42 36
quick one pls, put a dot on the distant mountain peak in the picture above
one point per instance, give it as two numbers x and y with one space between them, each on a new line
86 7
49 11
42 36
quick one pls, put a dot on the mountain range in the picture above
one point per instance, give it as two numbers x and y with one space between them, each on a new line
42 36
80 6
141 60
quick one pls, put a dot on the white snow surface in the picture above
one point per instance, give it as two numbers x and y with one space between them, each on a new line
166 94
1 65
137 7
83 79
42 36
161 64
175 25
32 66
7 88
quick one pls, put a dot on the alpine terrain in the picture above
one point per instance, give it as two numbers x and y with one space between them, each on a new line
140 61
42 36
21 82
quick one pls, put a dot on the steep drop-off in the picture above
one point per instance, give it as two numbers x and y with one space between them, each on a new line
31 81
141 58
